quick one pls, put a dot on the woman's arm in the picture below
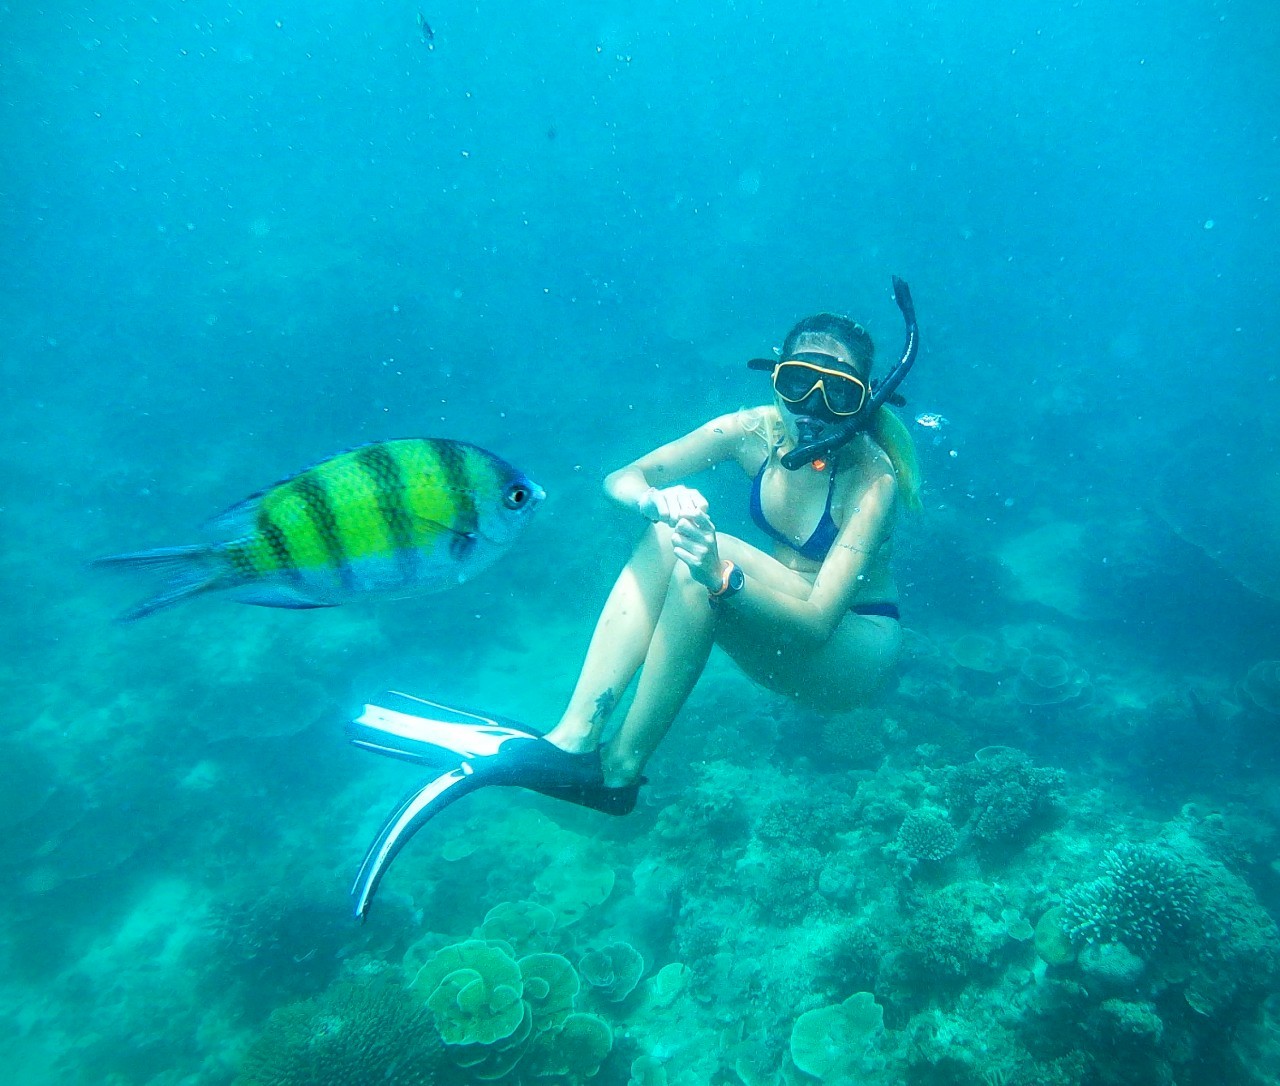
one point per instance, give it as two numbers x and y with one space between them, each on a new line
648 484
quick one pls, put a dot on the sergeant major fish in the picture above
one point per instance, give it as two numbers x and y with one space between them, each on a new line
392 518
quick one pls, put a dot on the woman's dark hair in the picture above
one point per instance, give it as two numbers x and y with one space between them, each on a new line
848 333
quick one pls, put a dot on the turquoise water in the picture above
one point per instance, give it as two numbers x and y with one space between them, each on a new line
238 240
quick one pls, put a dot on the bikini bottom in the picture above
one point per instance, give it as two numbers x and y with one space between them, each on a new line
881 610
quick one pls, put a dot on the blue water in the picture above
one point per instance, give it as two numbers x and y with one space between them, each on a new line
239 239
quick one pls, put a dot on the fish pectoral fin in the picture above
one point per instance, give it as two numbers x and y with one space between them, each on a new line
459 541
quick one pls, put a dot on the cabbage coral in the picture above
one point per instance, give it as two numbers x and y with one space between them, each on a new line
1047 679
828 1043
613 971
473 989
1261 687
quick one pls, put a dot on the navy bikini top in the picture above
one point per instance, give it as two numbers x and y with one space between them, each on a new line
824 535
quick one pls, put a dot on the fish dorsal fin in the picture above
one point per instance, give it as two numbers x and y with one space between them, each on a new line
241 519
238 520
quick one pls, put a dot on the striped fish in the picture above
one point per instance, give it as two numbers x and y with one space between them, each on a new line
393 518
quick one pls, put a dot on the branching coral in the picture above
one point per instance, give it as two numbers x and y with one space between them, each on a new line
786 883
811 824
367 1030
940 938
1001 794
925 835
1145 899
854 738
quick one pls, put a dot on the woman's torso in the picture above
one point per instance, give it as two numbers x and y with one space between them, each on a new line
796 504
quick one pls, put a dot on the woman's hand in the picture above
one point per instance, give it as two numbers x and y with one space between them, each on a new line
672 503
694 541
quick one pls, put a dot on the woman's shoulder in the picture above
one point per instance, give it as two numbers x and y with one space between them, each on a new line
763 422
869 455
871 465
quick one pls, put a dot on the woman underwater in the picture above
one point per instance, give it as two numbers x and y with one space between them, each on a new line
816 619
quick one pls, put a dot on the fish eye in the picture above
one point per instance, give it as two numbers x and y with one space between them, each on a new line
516 496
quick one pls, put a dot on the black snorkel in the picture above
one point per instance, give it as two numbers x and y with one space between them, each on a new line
881 391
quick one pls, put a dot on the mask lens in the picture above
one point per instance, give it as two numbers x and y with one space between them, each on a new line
843 393
793 381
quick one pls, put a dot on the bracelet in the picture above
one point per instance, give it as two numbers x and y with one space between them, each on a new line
640 504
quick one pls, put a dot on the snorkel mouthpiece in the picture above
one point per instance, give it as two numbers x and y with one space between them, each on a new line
827 438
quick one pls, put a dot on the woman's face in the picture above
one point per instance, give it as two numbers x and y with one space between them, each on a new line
801 424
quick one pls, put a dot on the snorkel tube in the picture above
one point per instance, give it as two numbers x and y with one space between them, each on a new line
882 391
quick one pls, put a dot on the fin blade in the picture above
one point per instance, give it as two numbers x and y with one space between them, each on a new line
427 732
188 571
409 816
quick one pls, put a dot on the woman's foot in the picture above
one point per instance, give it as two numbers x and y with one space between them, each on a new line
619 771
572 740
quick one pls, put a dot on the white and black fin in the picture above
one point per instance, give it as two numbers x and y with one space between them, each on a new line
428 733
473 750
403 822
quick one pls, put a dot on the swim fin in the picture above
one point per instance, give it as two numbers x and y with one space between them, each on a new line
474 750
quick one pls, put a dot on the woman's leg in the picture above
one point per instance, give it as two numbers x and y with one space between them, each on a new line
852 666
620 643
677 654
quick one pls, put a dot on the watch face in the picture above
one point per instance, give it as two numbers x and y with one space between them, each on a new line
736 579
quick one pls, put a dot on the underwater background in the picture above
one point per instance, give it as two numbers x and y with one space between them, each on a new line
240 238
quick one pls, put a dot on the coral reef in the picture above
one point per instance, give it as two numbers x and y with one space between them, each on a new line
1260 688
855 739
473 989
925 835
1046 679
1145 900
1000 795
831 1042
977 652
361 1029
613 971
499 1016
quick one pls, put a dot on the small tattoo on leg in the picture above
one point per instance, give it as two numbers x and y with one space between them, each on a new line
604 706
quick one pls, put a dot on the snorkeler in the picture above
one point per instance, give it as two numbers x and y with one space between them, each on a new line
815 618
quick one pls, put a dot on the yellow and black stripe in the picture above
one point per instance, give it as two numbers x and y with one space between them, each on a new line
383 471
395 497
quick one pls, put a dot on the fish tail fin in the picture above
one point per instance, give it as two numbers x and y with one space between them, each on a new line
188 571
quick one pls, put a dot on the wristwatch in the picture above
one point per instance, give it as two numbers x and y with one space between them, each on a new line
731 581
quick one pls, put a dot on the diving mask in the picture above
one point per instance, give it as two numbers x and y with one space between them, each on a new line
820 440
797 378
